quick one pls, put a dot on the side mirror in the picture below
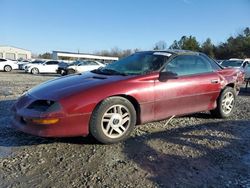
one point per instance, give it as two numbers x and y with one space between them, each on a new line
164 76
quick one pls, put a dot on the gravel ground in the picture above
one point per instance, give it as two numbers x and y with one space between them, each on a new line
190 151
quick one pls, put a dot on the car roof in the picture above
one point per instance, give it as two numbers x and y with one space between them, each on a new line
236 59
240 60
175 51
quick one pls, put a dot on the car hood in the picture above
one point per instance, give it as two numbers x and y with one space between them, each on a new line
69 85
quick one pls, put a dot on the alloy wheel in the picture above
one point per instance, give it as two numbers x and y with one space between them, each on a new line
228 102
115 121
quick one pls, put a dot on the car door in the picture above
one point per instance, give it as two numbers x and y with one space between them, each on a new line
51 66
81 67
194 88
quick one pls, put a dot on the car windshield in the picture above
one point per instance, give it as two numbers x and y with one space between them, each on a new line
37 62
75 63
136 64
231 63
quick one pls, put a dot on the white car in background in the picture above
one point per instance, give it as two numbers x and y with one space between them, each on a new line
42 67
8 65
238 63
84 66
22 63
31 63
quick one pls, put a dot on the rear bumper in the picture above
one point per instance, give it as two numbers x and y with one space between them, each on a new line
70 126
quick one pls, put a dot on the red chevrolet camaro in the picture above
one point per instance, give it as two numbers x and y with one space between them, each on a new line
108 102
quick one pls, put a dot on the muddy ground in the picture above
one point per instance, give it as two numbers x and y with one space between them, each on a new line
191 151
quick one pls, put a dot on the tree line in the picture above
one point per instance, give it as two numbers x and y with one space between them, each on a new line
234 47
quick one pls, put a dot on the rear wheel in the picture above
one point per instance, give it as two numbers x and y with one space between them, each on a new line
225 103
34 71
7 68
113 120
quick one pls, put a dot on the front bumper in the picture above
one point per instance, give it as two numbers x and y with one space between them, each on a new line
68 125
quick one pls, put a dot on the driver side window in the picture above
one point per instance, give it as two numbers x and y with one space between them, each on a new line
188 65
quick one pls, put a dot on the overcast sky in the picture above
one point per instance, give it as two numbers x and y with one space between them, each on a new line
93 25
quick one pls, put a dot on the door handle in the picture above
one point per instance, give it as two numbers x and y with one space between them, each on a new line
215 81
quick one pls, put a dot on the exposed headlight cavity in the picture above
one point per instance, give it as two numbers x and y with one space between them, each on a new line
44 106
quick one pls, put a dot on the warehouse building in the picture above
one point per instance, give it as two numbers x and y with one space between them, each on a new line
14 53
73 56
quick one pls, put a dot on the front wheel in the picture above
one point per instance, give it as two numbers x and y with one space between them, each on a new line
113 120
63 72
34 71
225 103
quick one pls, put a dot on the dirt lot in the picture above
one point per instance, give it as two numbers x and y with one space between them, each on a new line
191 151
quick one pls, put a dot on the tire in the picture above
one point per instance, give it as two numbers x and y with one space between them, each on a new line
63 73
34 71
113 120
71 71
225 103
7 68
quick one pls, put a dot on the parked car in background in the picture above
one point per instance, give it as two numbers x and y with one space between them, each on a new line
232 63
31 63
247 76
83 66
238 63
46 67
62 67
219 61
146 86
22 63
8 65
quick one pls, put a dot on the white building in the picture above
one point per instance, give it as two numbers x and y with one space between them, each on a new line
59 54
10 52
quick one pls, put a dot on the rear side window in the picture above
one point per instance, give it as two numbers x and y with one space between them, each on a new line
91 63
188 65
52 63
